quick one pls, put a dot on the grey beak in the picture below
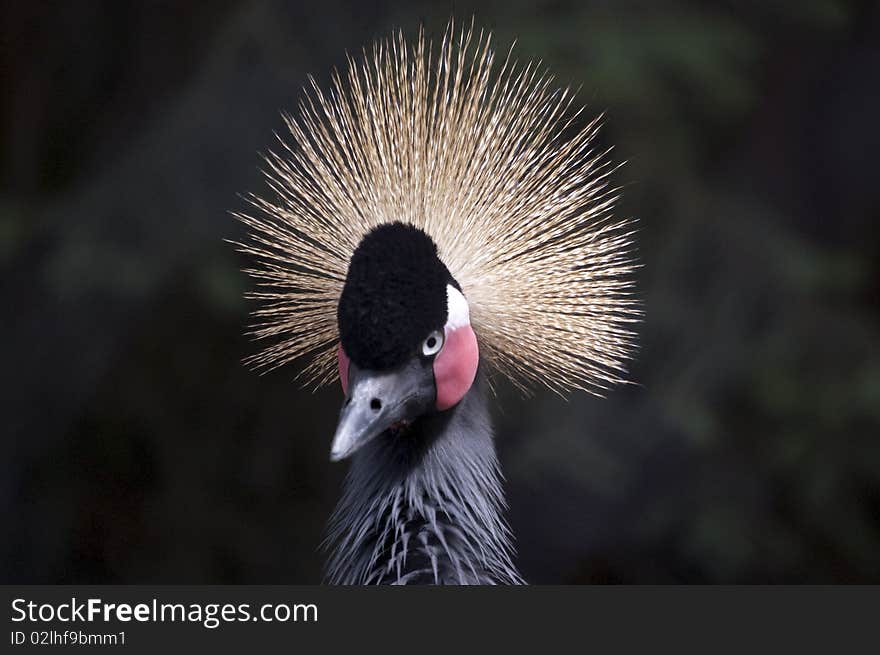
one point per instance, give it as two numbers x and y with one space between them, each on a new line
377 400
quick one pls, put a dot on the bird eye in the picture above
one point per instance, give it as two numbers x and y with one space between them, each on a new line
433 344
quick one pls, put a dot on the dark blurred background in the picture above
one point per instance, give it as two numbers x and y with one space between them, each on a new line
137 448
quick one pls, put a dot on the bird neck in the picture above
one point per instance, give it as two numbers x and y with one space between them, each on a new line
425 506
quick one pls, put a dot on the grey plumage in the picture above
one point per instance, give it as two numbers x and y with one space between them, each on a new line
425 507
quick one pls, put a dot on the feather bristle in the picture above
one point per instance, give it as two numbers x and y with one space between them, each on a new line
493 163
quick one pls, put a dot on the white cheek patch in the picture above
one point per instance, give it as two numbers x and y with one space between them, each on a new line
458 313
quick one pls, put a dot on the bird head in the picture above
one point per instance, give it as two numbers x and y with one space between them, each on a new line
500 168
406 344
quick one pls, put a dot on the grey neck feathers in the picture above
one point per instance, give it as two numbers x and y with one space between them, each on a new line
424 507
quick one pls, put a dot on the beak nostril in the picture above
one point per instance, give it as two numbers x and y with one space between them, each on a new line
375 404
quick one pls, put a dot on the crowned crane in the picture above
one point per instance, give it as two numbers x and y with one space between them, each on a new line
437 220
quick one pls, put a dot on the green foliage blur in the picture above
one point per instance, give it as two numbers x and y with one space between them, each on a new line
139 449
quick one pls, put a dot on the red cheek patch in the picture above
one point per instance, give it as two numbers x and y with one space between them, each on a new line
455 366
343 362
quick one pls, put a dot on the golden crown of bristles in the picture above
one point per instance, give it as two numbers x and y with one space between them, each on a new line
479 157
